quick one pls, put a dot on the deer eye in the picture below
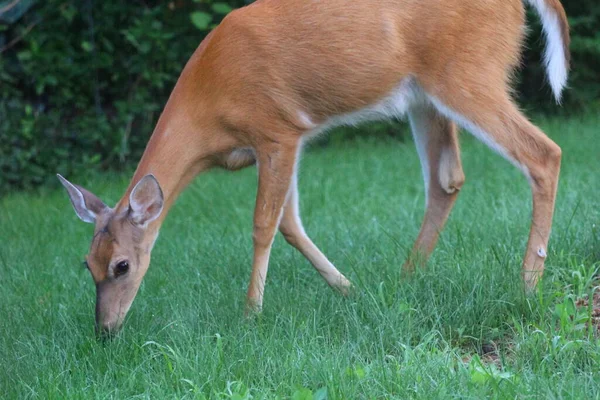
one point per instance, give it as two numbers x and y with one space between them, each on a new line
121 268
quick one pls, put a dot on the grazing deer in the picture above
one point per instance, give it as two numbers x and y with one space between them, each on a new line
276 73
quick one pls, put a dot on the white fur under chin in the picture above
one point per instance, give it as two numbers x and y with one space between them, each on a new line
554 56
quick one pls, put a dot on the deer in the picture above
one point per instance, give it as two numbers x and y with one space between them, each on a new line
275 73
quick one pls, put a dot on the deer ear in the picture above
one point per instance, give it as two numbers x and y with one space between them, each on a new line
146 200
87 206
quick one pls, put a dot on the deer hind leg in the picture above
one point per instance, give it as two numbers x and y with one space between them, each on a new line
437 145
493 118
276 165
293 232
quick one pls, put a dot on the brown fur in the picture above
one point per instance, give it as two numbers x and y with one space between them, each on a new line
246 84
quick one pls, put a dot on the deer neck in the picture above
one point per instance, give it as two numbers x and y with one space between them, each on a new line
179 149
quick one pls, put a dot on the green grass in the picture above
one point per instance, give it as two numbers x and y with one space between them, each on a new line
362 203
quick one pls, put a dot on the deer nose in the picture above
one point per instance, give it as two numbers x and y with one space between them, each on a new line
107 329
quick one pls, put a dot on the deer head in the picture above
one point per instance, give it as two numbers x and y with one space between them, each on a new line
119 254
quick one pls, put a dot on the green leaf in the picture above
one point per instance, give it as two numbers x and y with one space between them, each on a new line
321 394
131 38
145 48
86 46
222 8
356 371
24 55
201 20
479 377
302 394
68 12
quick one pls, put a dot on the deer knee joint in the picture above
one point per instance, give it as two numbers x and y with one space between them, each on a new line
544 173
450 173
262 235
554 153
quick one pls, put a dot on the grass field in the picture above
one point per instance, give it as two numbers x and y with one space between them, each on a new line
459 329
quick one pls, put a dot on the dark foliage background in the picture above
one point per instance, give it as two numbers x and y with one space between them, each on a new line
83 82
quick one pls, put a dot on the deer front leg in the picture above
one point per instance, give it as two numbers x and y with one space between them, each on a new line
293 232
276 165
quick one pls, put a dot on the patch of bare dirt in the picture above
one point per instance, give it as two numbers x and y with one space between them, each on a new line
489 354
585 303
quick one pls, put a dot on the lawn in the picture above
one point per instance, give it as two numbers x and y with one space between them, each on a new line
461 328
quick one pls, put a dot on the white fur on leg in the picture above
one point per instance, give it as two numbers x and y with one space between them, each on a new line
419 118
541 252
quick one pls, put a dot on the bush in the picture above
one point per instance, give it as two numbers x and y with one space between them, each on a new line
82 83
84 86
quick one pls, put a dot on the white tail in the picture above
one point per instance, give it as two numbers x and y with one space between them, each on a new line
556 55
